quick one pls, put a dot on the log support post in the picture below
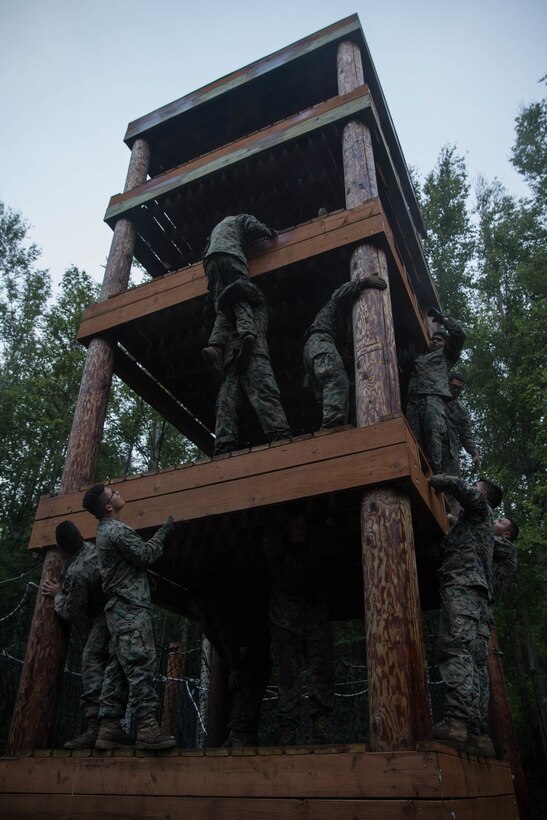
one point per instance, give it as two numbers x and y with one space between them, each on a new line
47 644
398 693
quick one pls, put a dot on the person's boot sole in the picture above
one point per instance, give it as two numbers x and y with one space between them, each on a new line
165 744
112 744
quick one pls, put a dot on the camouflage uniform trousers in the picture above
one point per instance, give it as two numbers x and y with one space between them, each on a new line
94 662
462 648
328 377
258 383
129 676
426 416
240 315
247 700
222 270
309 645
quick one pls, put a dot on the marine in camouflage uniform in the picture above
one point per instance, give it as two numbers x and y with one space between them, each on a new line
225 263
459 428
300 623
328 350
129 676
80 598
428 392
466 586
255 379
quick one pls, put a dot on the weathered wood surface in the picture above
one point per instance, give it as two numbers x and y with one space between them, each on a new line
399 775
90 807
319 116
319 236
171 692
313 466
48 638
398 695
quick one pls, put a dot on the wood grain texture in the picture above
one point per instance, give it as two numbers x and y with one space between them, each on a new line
398 695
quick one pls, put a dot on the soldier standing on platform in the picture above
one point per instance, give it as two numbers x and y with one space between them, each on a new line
123 558
459 427
466 586
328 346
225 263
300 622
78 596
428 391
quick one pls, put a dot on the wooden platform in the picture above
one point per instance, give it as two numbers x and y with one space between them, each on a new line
321 783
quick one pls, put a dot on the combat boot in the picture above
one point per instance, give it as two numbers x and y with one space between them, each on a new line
451 731
150 736
320 725
480 745
87 739
239 739
112 736
287 736
212 357
245 353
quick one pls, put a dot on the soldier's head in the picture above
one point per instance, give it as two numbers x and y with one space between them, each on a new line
438 340
506 528
456 383
102 502
491 490
69 538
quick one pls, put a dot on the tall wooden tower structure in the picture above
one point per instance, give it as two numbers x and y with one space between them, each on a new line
303 130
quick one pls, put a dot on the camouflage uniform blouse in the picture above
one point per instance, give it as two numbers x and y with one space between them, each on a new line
469 546
123 558
429 374
81 593
233 234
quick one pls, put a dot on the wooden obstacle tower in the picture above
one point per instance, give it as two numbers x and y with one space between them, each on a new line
303 131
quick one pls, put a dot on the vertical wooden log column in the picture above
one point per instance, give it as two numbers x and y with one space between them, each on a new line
48 638
398 694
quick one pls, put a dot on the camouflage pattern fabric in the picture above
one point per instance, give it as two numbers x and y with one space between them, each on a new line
505 564
95 657
466 585
81 597
429 380
459 434
426 416
232 235
300 623
462 653
257 382
123 558
328 351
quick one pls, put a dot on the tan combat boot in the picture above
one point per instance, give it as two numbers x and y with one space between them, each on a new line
150 736
112 736
480 745
320 725
451 731
212 357
87 739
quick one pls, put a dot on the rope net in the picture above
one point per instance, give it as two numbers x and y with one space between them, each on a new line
182 680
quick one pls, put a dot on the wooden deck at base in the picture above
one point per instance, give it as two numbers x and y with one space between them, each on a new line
324 786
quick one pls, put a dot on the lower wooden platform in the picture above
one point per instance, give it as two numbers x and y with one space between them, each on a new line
323 783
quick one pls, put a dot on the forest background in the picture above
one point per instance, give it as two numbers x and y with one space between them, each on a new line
487 252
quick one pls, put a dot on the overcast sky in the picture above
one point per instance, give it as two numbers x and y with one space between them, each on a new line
75 72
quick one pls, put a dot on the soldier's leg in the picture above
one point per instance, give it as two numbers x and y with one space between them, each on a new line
258 381
95 657
435 432
136 650
457 633
227 412
287 655
330 372
255 673
413 414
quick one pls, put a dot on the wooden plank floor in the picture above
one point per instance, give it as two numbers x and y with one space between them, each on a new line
320 464
259 783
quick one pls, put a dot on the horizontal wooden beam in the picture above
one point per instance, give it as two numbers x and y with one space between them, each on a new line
162 115
319 116
325 463
412 776
303 242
